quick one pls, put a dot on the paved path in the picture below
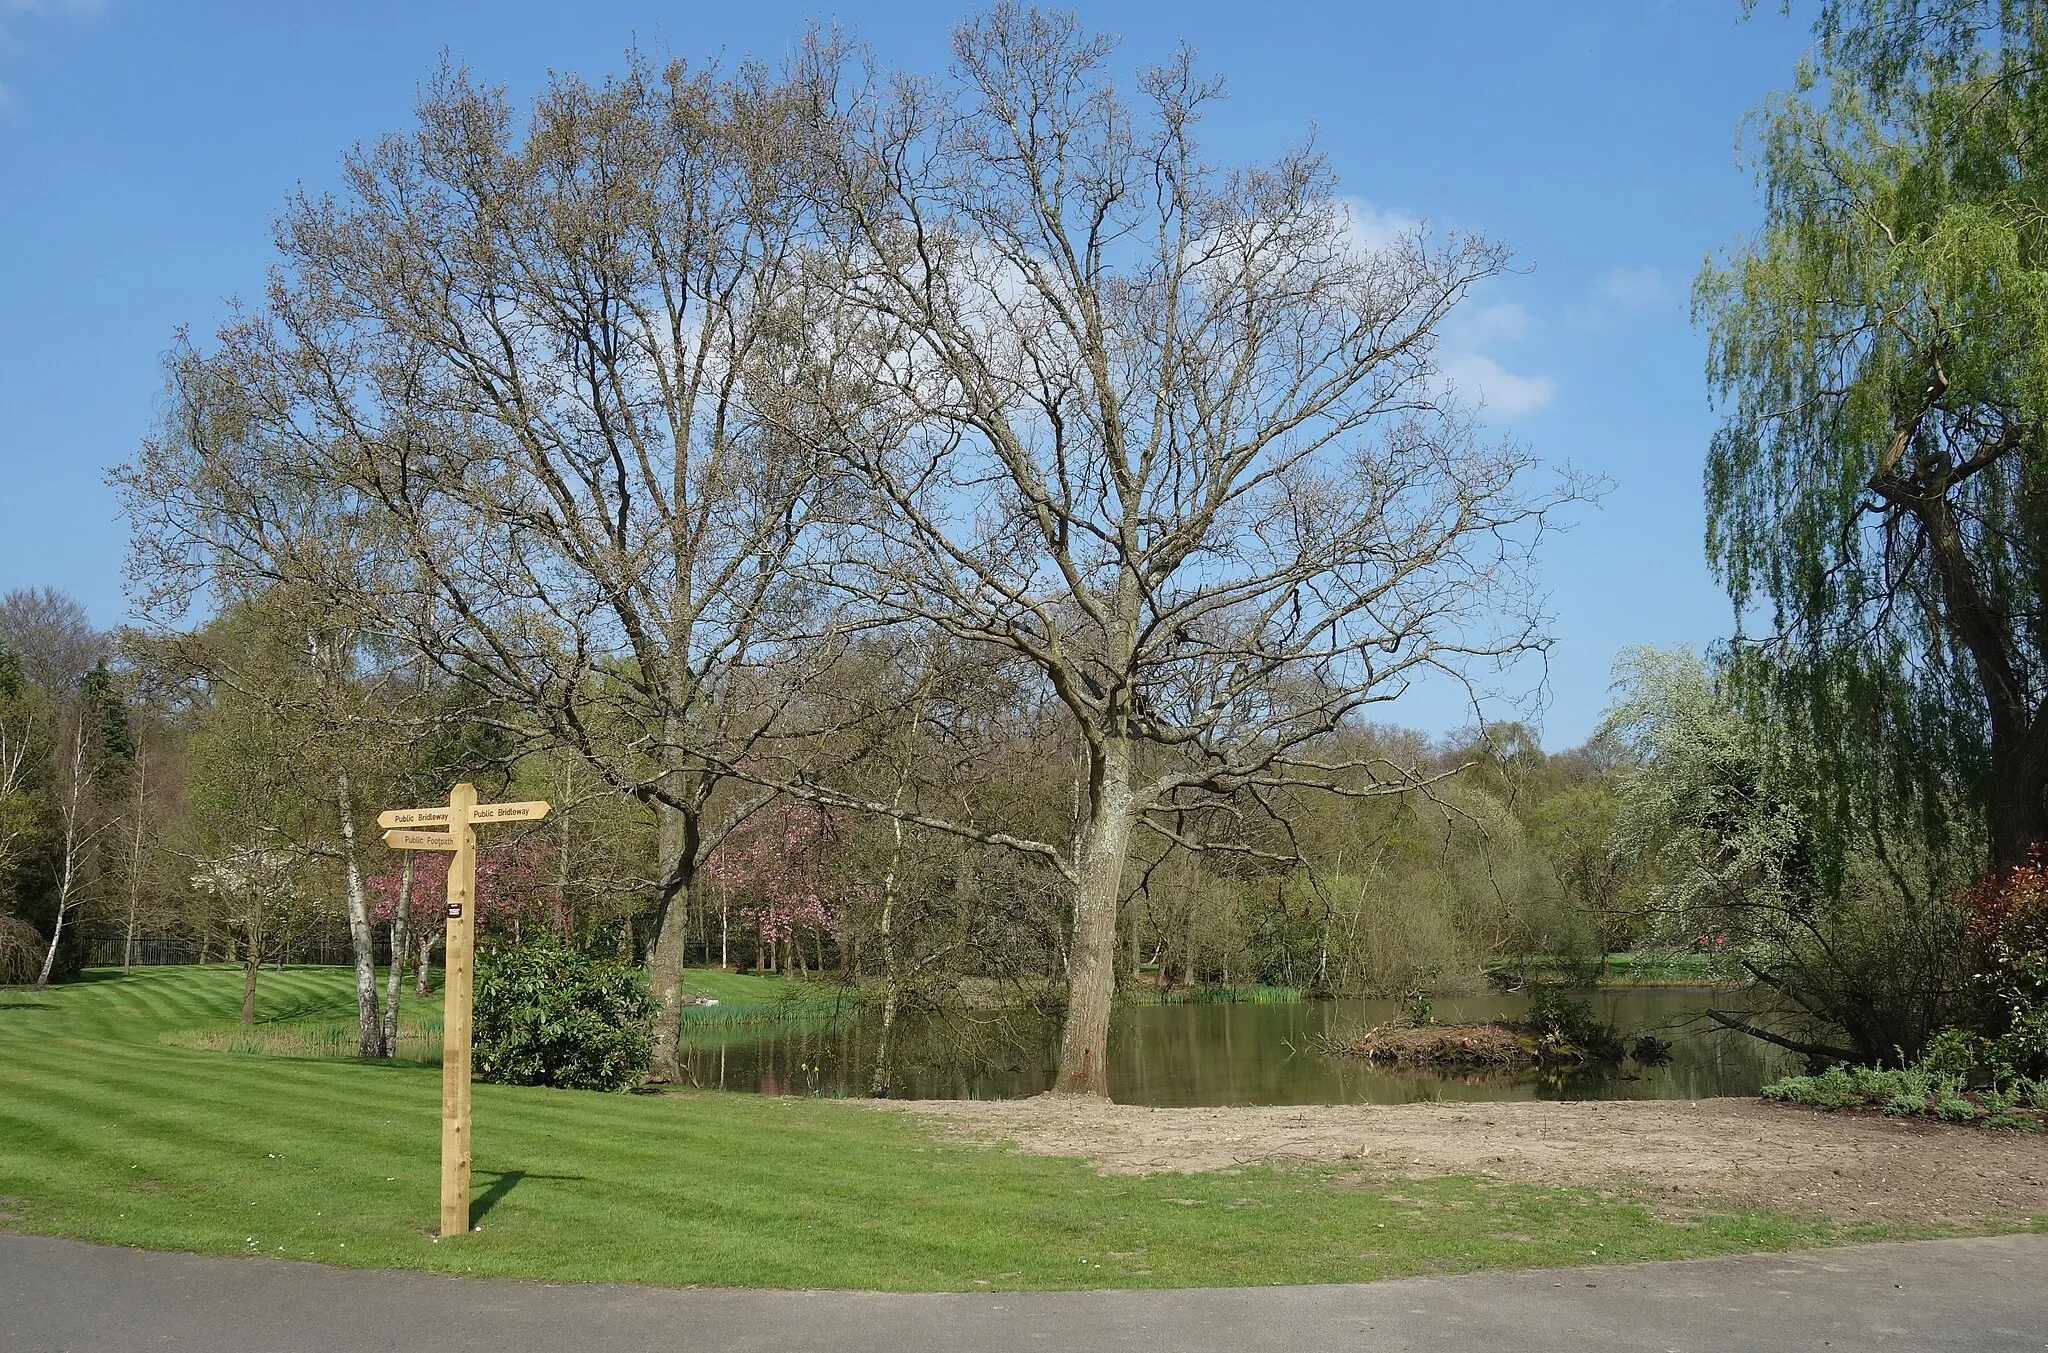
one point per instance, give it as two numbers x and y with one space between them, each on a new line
1977 1294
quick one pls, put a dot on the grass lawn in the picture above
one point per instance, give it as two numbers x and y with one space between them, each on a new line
111 1131
741 988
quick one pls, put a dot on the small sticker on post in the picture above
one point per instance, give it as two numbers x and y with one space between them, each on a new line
454 911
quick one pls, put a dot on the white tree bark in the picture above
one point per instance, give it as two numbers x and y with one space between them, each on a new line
401 949
370 1033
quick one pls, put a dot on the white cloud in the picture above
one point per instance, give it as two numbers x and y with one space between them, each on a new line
1376 227
1479 378
1631 288
1477 326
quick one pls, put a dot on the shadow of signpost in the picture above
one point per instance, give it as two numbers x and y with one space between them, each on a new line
504 1182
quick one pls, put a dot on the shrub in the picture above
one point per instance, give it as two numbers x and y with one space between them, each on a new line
1906 1103
1936 1085
1567 1025
1832 1089
1949 1104
1953 1052
21 952
549 1014
2008 926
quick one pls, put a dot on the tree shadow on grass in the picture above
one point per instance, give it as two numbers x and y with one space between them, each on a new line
504 1183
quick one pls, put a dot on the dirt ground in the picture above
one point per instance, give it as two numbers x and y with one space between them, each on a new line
1682 1155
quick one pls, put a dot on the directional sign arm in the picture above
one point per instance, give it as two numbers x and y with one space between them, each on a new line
399 839
532 811
413 817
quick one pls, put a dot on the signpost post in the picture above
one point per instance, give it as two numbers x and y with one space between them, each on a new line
404 832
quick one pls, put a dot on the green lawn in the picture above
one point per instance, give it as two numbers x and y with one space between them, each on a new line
740 988
1652 968
111 1131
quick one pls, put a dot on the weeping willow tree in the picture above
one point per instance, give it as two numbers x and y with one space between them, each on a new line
1858 945
1881 480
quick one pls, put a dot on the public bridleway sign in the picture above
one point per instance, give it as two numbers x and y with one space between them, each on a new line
458 822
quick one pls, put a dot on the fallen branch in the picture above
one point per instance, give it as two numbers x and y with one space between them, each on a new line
1789 1044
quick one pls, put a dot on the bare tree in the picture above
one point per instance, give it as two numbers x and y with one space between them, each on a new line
52 634
257 888
46 645
1171 435
94 743
26 736
538 358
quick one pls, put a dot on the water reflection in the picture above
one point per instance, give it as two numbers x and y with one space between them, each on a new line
1199 1055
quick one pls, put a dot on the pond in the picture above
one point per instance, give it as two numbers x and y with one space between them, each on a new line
1201 1055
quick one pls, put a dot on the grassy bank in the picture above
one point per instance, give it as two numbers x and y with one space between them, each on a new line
1208 995
1651 968
116 1127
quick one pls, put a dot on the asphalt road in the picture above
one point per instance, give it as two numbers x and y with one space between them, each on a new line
1978 1294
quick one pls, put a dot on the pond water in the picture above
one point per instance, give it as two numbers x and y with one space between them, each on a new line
1240 1054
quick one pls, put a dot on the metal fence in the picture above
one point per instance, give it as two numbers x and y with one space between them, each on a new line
106 951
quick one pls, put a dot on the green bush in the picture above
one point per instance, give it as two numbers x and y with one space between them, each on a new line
1951 1107
1937 1085
1568 1028
1832 1089
549 1014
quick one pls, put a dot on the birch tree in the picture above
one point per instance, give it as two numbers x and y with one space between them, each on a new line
94 746
1170 433
26 736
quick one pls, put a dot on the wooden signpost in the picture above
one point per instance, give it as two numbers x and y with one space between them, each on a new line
458 822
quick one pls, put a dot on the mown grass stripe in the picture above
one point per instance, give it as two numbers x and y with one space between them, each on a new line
702 1187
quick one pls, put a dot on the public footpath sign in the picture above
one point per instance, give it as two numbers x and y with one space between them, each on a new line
458 822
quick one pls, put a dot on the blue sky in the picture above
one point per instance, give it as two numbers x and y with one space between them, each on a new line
145 148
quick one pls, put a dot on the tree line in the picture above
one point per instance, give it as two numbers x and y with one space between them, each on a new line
238 821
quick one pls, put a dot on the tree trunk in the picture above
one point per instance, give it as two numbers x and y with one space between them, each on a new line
2019 794
73 806
563 835
134 868
401 945
891 974
50 954
422 987
252 959
2019 732
665 974
678 837
369 1030
1091 966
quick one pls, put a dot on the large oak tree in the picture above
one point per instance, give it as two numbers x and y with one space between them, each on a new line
1169 434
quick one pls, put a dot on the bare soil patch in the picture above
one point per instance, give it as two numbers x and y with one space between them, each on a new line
1681 1155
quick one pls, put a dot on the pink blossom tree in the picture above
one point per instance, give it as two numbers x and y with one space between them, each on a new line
775 866
512 890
